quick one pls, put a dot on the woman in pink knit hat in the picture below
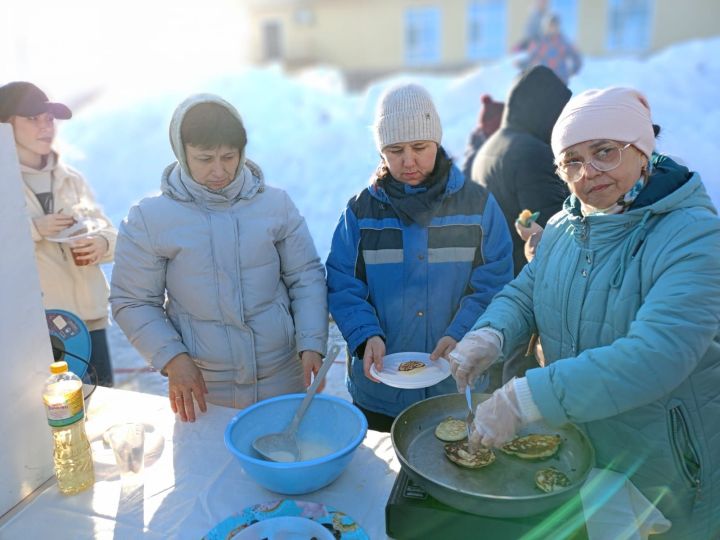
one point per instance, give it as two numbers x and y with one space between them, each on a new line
624 292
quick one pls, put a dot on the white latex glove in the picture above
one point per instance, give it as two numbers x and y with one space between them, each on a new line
497 419
473 355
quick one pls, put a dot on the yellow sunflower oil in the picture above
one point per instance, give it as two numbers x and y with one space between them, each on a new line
65 408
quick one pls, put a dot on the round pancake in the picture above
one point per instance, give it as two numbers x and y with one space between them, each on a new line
533 446
459 453
411 367
551 479
451 429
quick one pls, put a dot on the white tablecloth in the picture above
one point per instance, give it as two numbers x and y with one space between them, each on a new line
191 481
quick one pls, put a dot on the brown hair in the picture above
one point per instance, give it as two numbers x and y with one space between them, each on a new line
210 125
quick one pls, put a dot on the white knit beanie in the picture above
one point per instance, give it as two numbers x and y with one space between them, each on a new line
616 113
406 113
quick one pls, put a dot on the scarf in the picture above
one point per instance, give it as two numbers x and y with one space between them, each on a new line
418 204
622 204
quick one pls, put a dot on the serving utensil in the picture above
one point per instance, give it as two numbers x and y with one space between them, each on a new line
282 446
470 418
470 415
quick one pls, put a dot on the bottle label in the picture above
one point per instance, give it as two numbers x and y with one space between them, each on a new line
65 408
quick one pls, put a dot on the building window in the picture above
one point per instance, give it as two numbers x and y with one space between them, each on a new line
566 10
304 17
272 40
486 29
629 25
422 36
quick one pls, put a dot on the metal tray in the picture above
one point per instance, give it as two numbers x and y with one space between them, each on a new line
506 488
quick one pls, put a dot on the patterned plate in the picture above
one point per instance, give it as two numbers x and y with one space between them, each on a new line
340 525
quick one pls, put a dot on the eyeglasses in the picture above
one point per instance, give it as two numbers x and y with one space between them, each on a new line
605 159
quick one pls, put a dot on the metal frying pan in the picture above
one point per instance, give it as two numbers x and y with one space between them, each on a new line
505 488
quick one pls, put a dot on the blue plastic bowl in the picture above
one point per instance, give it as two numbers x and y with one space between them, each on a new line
331 426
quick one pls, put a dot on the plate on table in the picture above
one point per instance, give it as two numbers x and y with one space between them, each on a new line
431 372
288 519
80 229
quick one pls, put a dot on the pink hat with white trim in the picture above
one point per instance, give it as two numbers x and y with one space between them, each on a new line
619 114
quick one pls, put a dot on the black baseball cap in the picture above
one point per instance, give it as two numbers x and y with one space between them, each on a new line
21 98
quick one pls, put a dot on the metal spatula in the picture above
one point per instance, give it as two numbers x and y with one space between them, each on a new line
470 415
470 418
283 446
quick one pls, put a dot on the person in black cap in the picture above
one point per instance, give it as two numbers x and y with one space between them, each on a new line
72 235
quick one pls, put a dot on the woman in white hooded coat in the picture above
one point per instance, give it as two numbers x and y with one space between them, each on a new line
217 281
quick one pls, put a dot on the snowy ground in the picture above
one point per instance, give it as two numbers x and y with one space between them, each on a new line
313 139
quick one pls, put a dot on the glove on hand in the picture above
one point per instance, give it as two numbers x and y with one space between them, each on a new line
497 419
473 355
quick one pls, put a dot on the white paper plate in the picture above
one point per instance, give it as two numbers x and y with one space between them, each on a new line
81 229
434 372
285 528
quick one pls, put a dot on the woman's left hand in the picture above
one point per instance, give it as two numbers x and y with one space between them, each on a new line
91 249
497 419
311 362
444 347
527 232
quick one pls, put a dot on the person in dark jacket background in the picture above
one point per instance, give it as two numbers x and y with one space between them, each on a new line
516 163
488 122
415 258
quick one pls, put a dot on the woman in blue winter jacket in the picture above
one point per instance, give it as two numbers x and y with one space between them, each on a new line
416 257
624 292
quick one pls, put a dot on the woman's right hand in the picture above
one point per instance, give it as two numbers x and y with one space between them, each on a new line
374 352
473 355
52 224
185 386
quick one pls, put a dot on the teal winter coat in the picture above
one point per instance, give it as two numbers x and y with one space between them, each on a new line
627 308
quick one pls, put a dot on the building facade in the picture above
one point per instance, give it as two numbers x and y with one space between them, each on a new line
369 38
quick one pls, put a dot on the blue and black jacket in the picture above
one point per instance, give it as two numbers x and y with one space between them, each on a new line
411 285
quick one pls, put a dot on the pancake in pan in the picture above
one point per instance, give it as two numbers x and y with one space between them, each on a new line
459 453
533 446
451 429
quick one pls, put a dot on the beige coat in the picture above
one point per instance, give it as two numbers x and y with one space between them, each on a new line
82 290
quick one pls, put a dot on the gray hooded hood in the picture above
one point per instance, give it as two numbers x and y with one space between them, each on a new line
177 182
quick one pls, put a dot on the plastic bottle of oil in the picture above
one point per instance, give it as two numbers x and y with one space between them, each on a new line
65 407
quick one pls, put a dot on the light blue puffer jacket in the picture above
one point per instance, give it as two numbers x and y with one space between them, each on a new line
231 278
628 310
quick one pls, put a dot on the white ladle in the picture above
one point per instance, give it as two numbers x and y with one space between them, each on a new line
283 446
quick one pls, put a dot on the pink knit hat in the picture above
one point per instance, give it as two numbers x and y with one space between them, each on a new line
620 114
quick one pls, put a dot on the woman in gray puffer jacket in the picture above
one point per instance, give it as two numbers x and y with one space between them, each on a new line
217 281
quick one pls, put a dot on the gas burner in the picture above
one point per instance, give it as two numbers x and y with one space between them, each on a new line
412 514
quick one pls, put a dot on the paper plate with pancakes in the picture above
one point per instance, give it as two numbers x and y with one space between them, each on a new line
411 370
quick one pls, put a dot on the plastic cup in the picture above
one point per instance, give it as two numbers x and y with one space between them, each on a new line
76 260
128 444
